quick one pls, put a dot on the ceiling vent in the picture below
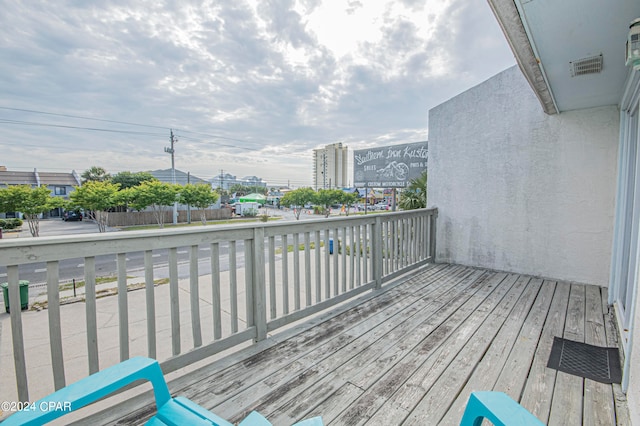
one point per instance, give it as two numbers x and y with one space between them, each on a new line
591 65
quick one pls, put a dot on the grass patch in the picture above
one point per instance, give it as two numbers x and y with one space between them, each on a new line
38 306
80 284
312 246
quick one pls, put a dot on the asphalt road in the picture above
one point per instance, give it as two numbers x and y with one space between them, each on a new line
106 266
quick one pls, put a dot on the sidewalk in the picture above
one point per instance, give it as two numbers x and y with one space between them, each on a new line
56 226
35 326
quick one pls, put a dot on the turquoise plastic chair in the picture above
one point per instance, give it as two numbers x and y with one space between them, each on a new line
170 411
499 409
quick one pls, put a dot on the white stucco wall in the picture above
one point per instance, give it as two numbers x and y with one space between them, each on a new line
519 190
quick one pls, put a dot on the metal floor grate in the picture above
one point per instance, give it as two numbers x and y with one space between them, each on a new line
580 359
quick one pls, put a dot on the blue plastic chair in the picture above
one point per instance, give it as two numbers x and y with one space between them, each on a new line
499 409
170 411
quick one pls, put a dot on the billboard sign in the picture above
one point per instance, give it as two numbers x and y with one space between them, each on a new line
390 166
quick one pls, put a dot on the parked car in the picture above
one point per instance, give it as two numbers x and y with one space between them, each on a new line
361 207
382 206
71 216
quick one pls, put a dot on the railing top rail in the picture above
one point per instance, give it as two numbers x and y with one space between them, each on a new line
52 248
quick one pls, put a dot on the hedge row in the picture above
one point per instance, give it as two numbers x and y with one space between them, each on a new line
10 223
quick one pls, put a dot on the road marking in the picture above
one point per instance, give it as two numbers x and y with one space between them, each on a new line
205 248
156 255
80 265
37 271
3 275
183 252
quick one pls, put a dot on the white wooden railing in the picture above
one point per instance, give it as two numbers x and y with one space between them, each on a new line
289 274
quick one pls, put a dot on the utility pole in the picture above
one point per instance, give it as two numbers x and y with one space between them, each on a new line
172 151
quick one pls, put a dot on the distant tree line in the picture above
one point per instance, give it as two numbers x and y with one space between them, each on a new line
101 193
324 198
414 196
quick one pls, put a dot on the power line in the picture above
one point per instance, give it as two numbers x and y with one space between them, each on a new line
130 132
81 117
128 123
209 136
219 144
95 129
122 122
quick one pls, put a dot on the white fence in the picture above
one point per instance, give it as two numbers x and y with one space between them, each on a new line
289 273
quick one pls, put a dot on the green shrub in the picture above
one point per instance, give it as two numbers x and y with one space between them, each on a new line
264 217
8 224
250 213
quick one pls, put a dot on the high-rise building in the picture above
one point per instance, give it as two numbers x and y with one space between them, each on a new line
330 166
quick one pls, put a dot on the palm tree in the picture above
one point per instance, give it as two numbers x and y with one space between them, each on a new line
95 174
414 196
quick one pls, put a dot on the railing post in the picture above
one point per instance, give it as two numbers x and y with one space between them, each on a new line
195 297
432 235
55 332
123 306
174 301
377 252
151 304
90 313
16 333
259 292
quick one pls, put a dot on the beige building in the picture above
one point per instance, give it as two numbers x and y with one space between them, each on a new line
330 166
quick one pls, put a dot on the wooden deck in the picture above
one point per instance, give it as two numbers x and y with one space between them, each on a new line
413 353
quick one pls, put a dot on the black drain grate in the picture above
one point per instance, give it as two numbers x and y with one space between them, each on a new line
592 362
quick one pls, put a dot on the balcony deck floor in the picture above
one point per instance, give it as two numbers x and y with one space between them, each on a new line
412 354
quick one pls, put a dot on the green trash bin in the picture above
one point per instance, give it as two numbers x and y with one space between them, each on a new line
24 294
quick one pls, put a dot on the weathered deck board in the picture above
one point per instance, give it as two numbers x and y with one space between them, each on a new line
325 369
598 401
437 400
492 366
365 364
412 354
538 391
566 406
415 372
382 314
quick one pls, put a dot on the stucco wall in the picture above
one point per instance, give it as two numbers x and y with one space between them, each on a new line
519 190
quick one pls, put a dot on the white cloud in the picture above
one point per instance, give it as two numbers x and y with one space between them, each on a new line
342 28
251 85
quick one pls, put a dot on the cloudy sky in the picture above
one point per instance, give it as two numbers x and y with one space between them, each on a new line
249 86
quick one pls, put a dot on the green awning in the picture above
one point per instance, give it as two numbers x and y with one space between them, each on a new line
253 198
